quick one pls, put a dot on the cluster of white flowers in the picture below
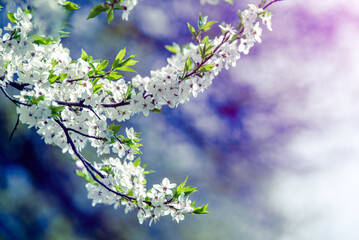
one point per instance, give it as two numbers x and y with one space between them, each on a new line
129 4
69 102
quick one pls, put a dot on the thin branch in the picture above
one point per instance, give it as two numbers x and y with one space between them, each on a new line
16 124
266 6
79 104
88 165
19 86
16 102
114 105
85 135
207 58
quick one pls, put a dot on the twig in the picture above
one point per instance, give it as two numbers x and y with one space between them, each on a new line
16 102
13 131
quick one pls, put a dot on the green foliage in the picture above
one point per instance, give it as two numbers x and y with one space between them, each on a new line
11 17
55 111
98 9
123 65
187 190
229 1
206 68
175 48
188 64
84 55
201 210
42 40
156 110
33 100
70 6
137 162
96 88
192 30
114 128
110 16
84 176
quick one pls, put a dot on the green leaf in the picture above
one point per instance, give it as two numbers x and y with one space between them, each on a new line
201 210
114 128
156 110
42 40
175 48
62 77
188 64
114 75
229 1
110 16
148 172
192 30
137 162
84 176
97 88
129 90
84 55
208 26
53 77
206 68
11 17
125 69
201 21
70 6
98 9
102 65
177 191
188 190
121 54
55 111
205 40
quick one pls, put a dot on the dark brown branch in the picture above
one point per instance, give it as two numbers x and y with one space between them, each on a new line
89 166
13 131
16 102
85 135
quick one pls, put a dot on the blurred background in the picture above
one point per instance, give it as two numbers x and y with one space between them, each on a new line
273 145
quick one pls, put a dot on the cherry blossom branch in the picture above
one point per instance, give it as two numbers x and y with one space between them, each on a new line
225 39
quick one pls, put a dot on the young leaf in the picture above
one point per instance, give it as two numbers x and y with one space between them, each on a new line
156 110
175 48
42 40
201 21
201 210
114 128
114 75
70 6
121 54
110 16
97 88
98 9
188 64
206 68
11 17
192 30
102 65
208 26
126 69
84 55
137 162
